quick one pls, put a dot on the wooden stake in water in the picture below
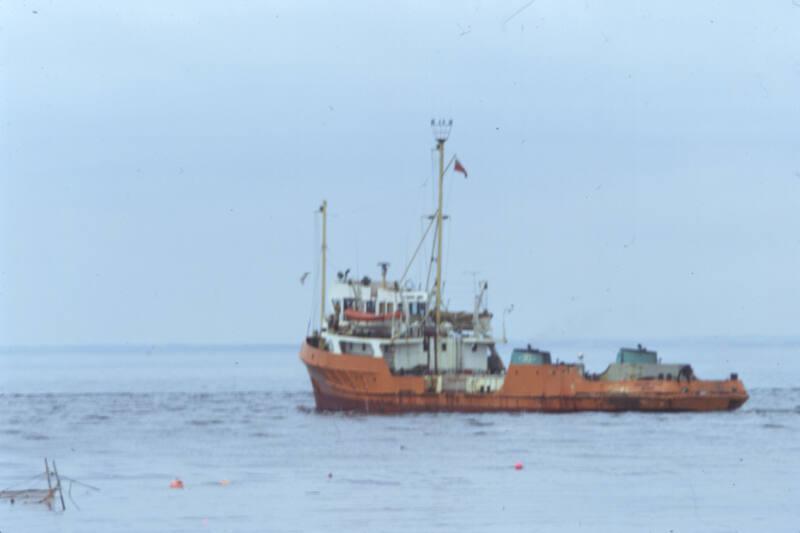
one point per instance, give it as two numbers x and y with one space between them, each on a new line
49 498
47 471
58 486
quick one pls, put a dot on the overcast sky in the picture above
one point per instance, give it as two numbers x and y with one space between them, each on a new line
634 167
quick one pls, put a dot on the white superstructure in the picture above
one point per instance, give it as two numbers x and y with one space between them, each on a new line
405 326
381 319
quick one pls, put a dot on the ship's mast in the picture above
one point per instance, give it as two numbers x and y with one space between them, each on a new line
324 210
441 131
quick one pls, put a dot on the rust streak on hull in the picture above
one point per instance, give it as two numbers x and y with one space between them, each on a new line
359 383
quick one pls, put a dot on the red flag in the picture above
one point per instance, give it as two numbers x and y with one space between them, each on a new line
460 168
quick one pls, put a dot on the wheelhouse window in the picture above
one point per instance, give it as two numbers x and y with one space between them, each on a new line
356 348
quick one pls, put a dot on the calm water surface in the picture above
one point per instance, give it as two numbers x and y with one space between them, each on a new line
129 421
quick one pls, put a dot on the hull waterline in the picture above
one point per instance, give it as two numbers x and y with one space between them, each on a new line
365 384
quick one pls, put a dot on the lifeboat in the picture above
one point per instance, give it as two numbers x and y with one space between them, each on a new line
361 316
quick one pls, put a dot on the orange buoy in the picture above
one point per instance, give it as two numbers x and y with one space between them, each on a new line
518 466
225 482
176 484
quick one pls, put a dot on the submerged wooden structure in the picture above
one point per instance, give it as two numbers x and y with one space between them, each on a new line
45 496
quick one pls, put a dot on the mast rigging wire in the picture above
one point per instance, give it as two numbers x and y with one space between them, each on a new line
414 256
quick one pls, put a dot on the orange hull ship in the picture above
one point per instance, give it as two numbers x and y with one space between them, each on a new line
357 383
391 347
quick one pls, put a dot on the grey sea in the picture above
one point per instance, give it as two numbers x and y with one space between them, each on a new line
237 425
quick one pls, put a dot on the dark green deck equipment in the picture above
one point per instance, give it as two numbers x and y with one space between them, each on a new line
637 356
530 356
